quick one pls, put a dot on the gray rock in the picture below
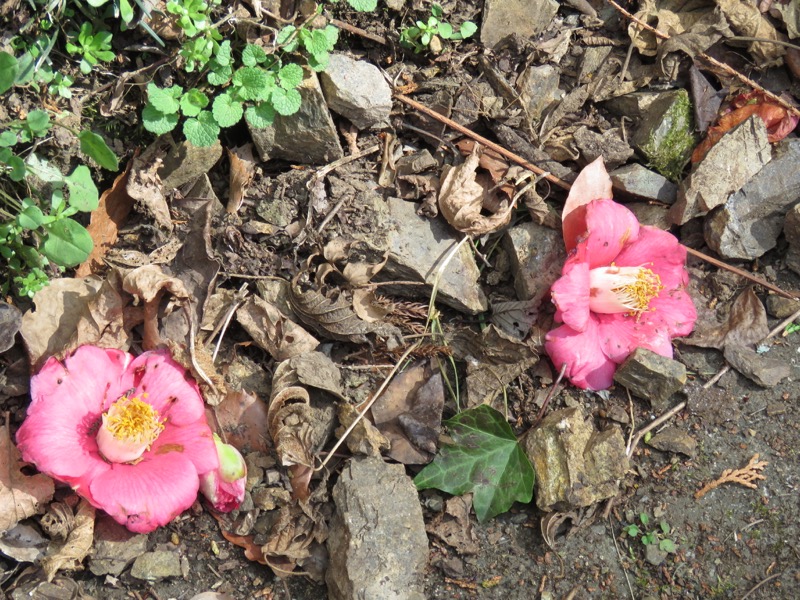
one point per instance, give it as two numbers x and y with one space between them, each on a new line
758 368
537 255
633 105
356 90
665 135
538 89
308 136
575 464
791 229
186 162
593 58
654 555
525 18
655 215
609 144
473 102
749 223
114 547
728 165
152 566
781 307
652 377
639 181
417 247
377 542
673 439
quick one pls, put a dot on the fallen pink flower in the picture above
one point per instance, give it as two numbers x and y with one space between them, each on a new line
128 434
622 287
224 487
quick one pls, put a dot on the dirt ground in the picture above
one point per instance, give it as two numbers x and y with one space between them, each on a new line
734 542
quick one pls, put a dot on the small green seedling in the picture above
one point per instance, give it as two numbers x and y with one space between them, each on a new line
791 328
427 35
657 536
93 46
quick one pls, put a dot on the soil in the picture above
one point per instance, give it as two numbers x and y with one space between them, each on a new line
734 542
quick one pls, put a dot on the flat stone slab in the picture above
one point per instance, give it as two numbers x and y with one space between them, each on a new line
652 377
636 180
749 223
728 165
377 543
153 566
356 90
537 255
114 547
526 18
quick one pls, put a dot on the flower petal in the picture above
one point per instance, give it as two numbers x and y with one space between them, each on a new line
676 309
592 183
570 293
587 365
660 252
148 494
611 227
620 335
194 441
170 389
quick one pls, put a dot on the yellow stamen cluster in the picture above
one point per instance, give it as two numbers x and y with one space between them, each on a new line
132 420
637 294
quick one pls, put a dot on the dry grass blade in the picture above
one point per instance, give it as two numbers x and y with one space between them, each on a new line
745 476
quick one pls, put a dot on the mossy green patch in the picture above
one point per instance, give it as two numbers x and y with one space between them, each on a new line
670 139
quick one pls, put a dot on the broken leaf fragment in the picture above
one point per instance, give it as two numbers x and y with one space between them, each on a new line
21 496
484 459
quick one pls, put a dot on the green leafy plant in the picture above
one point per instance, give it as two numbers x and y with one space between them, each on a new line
420 36
485 459
658 536
92 46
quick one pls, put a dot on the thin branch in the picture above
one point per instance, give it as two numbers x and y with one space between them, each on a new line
652 425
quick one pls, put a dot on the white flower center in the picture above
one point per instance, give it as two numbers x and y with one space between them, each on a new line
622 289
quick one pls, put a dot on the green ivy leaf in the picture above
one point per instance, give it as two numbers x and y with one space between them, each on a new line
201 131
251 82
261 115
226 110
158 122
164 100
95 147
83 193
253 55
667 546
67 243
485 459
193 101
18 170
8 71
286 102
290 76
363 5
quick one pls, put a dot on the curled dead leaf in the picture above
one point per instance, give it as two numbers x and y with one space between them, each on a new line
149 283
273 331
243 166
69 554
21 496
356 261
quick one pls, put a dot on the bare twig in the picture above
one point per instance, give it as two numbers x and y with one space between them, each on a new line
745 476
652 425
358 31
550 395
760 584
720 65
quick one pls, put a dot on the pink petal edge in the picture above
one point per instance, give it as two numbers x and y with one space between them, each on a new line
587 365
592 183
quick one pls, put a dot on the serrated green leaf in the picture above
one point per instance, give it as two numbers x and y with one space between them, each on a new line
316 43
253 55
667 546
226 110
290 76
95 147
286 102
164 100
332 35
67 243
319 62
201 131
261 115
8 71
83 193
251 82
193 101
224 54
283 37
158 122
219 75
363 5
486 460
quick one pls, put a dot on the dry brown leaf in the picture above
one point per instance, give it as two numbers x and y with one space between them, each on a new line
409 414
315 369
69 554
289 418
272 331
144 186
367 306
243 418
746 324
292 538
355 261
112 211
364 438
673 18
243 166
454 526
462 199
21 496
747 21
73 312
149 283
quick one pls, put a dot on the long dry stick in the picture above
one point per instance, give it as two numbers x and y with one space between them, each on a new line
709 59
566 186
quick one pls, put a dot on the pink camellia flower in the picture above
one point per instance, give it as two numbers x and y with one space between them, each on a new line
128 434
224 487
622 287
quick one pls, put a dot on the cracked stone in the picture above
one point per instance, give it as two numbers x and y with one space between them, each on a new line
636 180
537 255
652 377
356 90
152 566
525 18
673 439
